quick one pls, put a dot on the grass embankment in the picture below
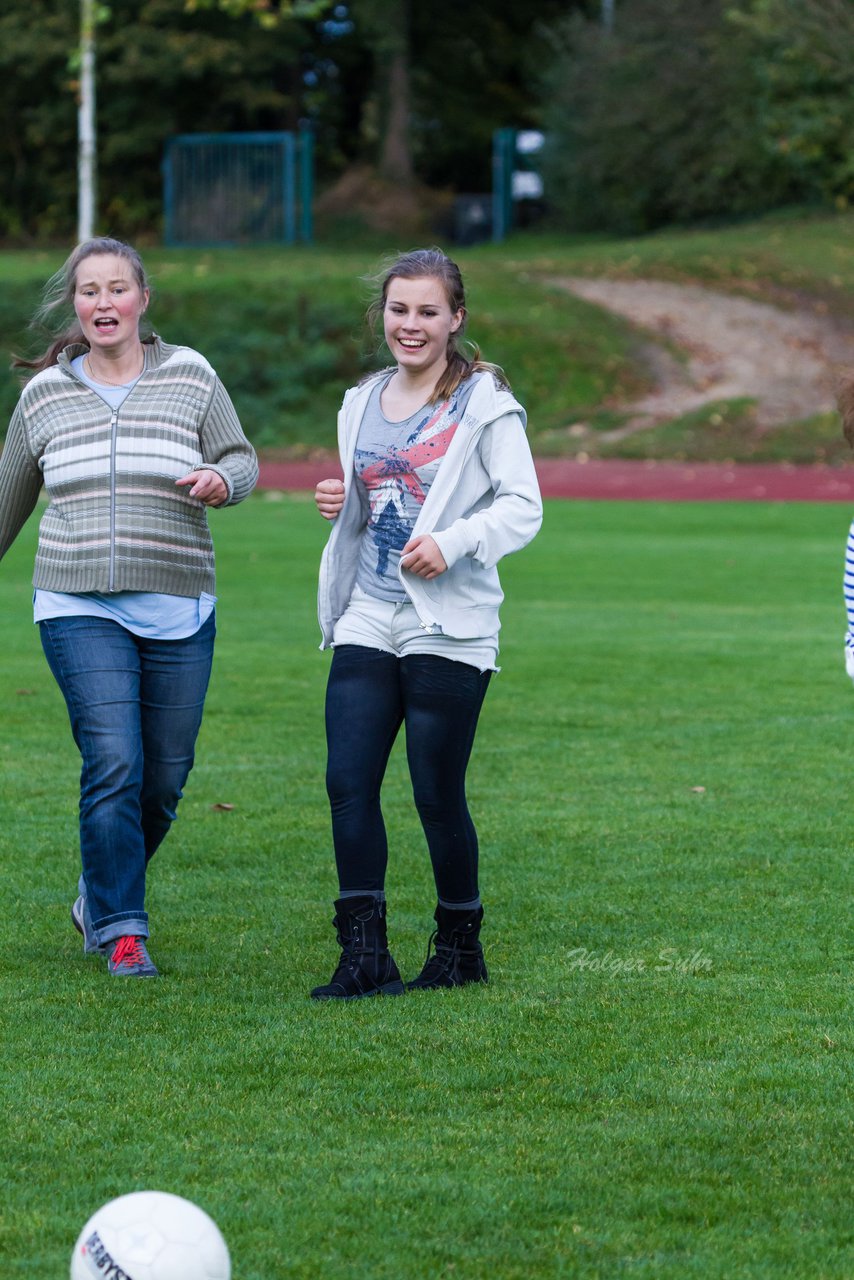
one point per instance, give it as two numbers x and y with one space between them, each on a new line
284 329
652 1084
789 260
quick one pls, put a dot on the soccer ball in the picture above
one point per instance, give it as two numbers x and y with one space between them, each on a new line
150 1235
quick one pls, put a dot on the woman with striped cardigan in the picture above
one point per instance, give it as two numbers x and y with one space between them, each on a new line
132 439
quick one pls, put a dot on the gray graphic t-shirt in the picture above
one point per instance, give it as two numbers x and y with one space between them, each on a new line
396 462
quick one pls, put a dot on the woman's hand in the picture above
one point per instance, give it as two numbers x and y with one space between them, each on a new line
208 486
329 496
422 556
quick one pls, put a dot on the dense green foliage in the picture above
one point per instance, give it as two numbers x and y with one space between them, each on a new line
697 109
651 1085
803 51
166 70
476 69
686 110
161 71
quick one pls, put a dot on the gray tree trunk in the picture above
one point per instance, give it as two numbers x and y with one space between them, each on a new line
396 153
86 138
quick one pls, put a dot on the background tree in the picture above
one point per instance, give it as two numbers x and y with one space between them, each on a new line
468 73
687 109
699 108
38 141
475 70
802 53
385 26
87 148
382 28
161 71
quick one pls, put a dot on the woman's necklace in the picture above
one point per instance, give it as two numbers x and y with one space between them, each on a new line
108 382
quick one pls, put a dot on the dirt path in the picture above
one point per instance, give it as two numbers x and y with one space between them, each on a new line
787 361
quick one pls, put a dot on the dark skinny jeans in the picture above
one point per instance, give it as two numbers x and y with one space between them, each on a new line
369 695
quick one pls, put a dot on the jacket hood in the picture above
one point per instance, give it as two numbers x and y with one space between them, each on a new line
490 400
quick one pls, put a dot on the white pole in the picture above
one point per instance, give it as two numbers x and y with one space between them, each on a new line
86 140
608 14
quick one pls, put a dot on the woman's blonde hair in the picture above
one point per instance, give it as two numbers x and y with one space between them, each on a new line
57 306
419 264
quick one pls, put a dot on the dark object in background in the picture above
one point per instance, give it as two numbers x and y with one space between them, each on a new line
471 219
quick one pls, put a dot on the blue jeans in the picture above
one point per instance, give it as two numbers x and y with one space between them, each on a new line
369 695
135 707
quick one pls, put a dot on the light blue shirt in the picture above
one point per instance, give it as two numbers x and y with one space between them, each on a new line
150 614
145 613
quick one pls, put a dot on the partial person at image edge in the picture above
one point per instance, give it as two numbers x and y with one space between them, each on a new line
846 409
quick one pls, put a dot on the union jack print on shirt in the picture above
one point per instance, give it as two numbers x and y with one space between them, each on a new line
397 477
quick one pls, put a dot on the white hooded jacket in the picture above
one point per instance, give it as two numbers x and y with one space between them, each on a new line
483 504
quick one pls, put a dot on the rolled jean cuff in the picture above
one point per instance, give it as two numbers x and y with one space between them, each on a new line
127 925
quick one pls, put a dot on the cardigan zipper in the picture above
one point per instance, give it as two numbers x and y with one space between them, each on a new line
114 419
113 433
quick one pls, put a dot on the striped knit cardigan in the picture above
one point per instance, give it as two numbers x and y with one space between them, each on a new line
115 520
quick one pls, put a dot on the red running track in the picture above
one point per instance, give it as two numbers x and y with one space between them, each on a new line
635 481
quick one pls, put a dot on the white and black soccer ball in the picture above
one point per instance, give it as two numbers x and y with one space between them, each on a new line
150 1235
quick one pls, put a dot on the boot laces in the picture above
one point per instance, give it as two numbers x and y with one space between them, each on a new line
442 959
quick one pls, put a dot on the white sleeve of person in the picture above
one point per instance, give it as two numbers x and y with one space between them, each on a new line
848 591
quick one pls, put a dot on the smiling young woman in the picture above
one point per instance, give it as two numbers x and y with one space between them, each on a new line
417 323
439 484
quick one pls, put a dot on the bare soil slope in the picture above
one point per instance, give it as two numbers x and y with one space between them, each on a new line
719 347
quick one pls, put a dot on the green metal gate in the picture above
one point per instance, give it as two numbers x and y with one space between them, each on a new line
238 188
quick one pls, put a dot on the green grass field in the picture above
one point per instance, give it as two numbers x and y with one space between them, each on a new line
654 1083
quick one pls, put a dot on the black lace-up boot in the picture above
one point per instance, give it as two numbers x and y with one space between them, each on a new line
366 967
457 954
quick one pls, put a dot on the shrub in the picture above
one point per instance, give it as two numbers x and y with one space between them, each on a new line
658 121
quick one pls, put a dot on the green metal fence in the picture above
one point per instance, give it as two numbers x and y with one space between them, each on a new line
238 188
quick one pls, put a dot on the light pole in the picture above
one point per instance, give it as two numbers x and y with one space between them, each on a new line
86 141
608 14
